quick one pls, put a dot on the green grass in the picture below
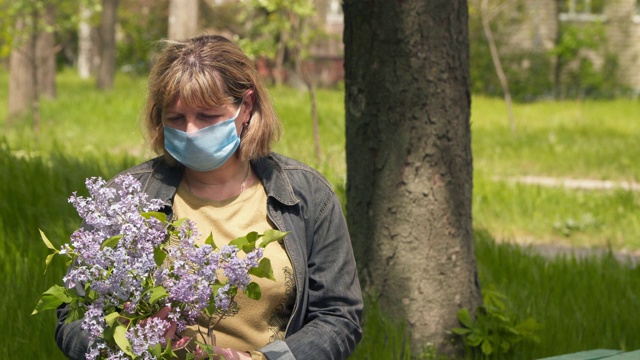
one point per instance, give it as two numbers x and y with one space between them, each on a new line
578 140
34 192
592 139
583 304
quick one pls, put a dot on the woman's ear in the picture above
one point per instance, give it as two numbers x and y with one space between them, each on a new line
248 101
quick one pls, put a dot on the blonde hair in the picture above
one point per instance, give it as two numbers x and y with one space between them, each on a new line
205 72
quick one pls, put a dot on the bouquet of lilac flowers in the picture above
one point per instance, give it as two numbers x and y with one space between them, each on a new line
123 272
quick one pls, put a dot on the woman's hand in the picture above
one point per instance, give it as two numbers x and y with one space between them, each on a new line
170 334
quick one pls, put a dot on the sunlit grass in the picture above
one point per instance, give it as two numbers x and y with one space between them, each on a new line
590 139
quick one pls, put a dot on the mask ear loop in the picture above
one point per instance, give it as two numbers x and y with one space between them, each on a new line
245 125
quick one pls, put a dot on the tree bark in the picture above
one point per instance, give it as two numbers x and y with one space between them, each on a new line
107 69
88 59
46 55
409 179
183 19
22 87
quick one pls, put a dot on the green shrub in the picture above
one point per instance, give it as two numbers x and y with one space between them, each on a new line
496 328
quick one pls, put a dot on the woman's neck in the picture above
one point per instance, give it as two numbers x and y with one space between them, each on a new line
229 180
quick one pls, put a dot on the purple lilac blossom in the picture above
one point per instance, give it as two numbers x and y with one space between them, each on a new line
146 335
93 321
120 274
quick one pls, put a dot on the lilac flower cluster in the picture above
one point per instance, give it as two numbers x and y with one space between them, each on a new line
149 332
115 270
195 271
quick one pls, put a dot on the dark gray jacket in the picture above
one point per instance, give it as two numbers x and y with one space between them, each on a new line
325 323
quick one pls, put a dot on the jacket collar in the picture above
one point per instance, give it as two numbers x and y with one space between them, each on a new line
276 183
268 168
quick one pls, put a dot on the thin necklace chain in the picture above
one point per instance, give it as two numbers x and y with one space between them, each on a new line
242 184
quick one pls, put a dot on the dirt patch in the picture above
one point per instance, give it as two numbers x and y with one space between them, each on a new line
587 184
552 251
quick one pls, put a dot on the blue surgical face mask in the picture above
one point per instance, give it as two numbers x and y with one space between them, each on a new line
205 149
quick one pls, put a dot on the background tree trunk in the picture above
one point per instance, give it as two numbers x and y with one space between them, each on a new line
22 87
46 55
497 64
88 59
409 179
107 69
183 19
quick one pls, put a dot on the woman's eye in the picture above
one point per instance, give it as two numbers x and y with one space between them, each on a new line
174 118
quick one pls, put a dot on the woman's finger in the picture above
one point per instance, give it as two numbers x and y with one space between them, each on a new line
180 343
163 313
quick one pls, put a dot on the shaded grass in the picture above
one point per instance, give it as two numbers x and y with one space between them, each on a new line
34 190
582 303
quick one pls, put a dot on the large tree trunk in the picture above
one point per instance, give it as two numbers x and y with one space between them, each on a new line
409 181
183 19
107 69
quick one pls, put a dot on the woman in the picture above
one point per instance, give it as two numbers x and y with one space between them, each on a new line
210 117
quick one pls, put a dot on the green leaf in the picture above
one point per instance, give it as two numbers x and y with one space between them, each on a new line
493 298
157 293
505 346
210 310
49 245
178 223
253 236
120 337
465 318
272 235
249 247
239 242
111 242
110 319
46 241
460 331
107 334
168 351
48 260
52 298
264 270
210 241
253 291
474 339
158 256
156 351
247 243
75 312
155 214
486 347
